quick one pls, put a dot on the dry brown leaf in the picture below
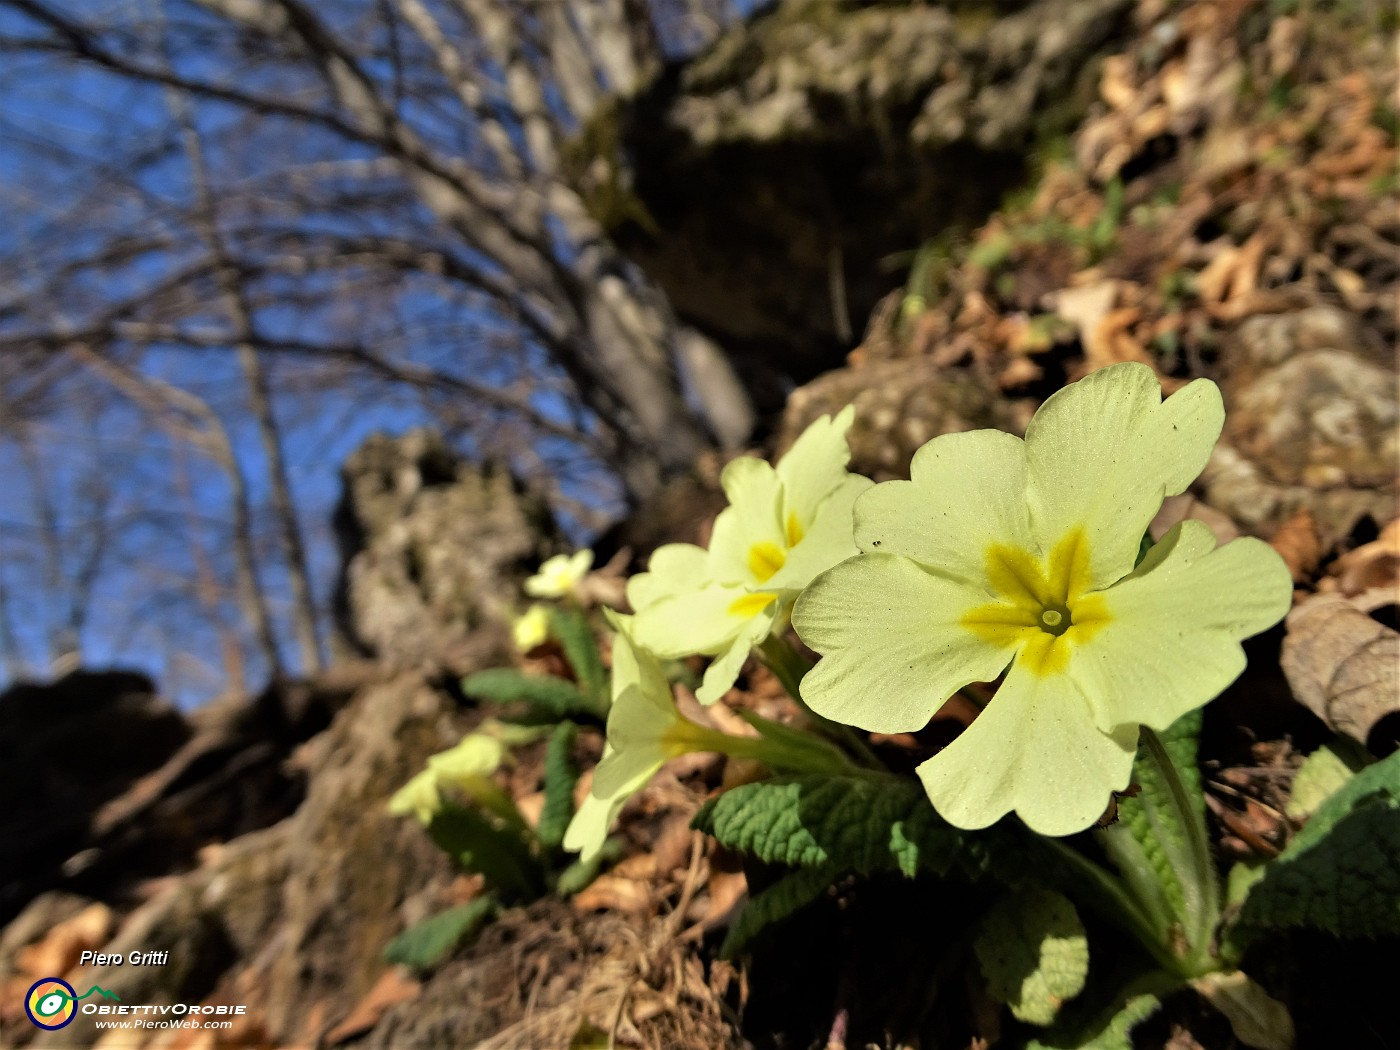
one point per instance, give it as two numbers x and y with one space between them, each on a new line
1116 85
613 892
1085 306
394 986
725 890
1299 544
530 807
1342 665
1020 371
1105 333
1233 275
1373 566
1113 341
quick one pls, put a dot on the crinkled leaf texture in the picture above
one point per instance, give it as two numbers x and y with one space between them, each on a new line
1321 775
1341 873
1114 1033
580 645
560 776
552 696
1034 953
860 823
480 844
425 944
1150 834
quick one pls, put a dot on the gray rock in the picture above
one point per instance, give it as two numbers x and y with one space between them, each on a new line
1312 420
763 182
434 549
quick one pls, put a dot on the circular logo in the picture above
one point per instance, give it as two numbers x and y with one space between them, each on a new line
50 1003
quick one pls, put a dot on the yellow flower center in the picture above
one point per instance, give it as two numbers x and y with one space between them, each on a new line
1041 608
793 530
751 604
765 559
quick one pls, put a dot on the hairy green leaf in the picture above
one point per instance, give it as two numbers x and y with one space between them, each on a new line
560 776
1341 873
860 823
505 685
423 945
1319 777
580 645
1034 953
1113 1033
497 852
1151 843
793 892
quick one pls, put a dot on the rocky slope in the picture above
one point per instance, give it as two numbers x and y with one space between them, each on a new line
1225 208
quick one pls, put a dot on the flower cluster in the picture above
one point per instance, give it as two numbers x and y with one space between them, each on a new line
783 526
1000 560
465 769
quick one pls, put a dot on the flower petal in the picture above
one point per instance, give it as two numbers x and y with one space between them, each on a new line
828 541
531 629
706 620
418 797
625 770
633 666
1035 750
752 518
815 464
721 674
588 830
967 491
475 755
1104 452
559 575
894 649
1171 641
676 568
643 707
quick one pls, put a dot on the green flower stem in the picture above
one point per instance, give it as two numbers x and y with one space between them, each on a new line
1188 934
1201 885
789 667
1141 878
1107 895
788 752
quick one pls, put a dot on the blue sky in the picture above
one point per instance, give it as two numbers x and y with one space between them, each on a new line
59 127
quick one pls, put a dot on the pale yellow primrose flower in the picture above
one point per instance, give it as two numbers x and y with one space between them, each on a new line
782 527
531 629
559 575
998 552
645 730
465 768
418 798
